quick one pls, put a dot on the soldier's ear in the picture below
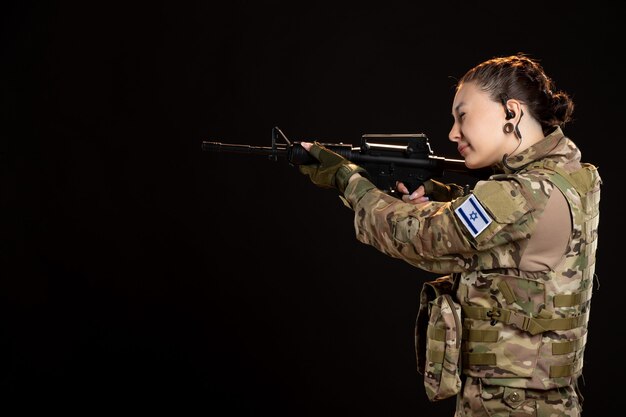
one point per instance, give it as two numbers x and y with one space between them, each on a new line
512 107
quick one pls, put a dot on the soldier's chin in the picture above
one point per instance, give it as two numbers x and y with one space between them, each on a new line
472 164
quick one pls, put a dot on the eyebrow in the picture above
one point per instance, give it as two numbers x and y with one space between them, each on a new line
458 106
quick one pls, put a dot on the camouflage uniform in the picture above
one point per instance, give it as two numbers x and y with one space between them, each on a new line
524 332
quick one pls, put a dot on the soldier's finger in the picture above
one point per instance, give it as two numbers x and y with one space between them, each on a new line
401 187
419 192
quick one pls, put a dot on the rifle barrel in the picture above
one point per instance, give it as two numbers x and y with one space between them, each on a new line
236 148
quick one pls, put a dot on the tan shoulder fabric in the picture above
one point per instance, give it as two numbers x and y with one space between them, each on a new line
551 236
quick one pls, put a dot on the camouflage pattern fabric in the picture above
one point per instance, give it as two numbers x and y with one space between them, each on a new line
479 400
443 348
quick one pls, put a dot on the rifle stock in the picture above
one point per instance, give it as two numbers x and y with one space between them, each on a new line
387 158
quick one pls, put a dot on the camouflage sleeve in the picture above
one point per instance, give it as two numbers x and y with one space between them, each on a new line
440 236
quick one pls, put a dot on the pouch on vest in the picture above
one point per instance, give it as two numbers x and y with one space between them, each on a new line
438 334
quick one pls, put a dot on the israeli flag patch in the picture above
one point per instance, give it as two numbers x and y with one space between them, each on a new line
473 215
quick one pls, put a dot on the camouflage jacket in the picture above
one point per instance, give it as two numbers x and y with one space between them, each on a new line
520 328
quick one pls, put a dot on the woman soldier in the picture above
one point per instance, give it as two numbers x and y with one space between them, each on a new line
519 248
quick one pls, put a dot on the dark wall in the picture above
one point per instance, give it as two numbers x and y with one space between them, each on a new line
144 274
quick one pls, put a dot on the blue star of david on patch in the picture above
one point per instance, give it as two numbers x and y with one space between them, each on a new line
473 216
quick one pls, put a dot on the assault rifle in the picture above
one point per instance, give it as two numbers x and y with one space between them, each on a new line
387 158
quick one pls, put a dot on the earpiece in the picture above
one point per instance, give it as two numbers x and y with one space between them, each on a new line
509 113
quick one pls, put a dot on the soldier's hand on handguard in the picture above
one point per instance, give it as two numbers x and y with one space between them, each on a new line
332 171
431 190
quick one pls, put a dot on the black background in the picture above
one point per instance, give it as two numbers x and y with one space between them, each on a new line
144 274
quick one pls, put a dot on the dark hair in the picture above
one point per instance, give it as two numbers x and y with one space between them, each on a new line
522 78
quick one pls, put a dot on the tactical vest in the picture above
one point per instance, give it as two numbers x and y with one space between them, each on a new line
530 329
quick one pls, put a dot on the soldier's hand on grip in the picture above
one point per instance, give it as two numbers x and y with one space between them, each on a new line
438 191
431 190
332 171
